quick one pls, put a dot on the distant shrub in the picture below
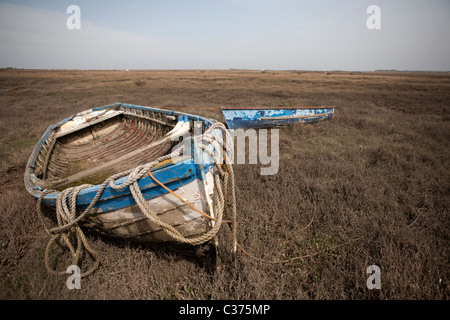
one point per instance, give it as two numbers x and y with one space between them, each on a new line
140 83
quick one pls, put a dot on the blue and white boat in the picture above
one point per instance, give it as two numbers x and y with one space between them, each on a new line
94 167
259 117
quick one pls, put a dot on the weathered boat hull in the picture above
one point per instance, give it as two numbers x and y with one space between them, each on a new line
90 146
273 117
131 223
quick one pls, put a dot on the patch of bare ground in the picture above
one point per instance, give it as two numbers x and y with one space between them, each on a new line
369 186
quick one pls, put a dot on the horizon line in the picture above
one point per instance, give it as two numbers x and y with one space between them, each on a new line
222 69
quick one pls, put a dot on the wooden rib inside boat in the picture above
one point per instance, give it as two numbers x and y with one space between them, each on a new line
102 149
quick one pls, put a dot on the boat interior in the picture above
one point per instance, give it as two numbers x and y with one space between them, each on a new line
91 152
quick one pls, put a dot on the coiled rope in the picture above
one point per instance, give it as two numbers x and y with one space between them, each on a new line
70 234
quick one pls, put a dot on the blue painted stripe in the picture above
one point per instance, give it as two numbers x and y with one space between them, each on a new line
174 175
127 199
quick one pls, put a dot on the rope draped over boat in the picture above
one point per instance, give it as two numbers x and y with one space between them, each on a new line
69 231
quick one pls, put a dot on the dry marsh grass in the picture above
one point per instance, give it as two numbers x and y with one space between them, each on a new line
374 180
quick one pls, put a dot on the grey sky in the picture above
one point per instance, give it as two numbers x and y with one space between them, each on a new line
249 34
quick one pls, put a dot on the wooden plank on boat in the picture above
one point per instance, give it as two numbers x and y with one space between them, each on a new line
90 123
88 172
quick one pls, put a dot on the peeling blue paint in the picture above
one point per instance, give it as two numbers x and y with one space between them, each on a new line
172 176
276 117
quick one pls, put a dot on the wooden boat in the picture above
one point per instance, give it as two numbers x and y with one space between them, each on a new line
83 167
256 117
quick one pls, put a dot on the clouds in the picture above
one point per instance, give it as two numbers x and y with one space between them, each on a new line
311 35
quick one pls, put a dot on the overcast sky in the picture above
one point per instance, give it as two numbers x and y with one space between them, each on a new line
213 34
